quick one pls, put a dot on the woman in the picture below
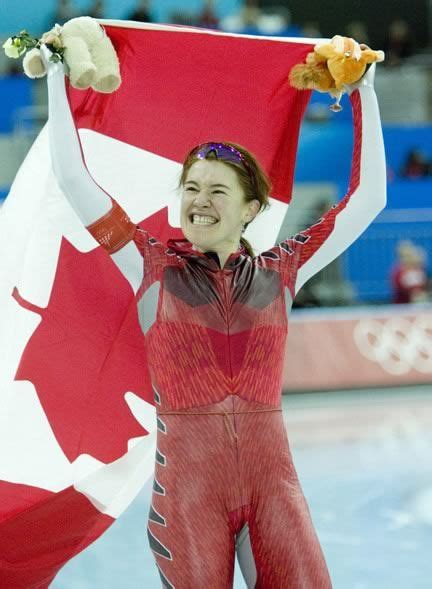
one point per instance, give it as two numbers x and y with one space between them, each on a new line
224 476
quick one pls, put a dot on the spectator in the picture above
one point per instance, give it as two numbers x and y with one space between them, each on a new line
141 12
357 29
276 20
246 21
409 277
182 17
416 165
207 18
311 29
65 11
97 10
398 43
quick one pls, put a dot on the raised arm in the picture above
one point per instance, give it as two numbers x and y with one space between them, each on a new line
312 249
366 195
96 209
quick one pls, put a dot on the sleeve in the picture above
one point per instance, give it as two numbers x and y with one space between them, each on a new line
87 198
303 255
101 214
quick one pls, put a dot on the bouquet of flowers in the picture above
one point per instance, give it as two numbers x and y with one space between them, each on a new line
25 44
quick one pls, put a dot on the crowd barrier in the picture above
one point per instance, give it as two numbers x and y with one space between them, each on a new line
384 346
368 262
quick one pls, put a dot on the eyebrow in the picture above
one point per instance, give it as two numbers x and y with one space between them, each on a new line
212 185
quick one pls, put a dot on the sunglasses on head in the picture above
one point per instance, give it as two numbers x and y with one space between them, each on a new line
223 152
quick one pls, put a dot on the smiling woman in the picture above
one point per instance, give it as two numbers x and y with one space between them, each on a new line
224 478
224 183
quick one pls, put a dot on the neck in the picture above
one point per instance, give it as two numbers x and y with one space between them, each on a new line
223 254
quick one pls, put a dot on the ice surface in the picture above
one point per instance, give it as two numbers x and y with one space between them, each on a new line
364 462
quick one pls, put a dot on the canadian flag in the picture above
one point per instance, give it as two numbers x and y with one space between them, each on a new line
77 421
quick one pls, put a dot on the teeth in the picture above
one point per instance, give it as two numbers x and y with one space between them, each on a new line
203 220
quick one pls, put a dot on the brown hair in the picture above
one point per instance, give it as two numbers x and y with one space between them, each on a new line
254 181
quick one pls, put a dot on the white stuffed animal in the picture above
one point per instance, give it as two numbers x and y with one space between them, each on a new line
87 51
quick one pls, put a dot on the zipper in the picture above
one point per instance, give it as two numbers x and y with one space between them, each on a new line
228 330
225 275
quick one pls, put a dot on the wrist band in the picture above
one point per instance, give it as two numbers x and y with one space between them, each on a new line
114 229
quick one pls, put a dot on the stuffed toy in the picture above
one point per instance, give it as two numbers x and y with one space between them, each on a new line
87 51
332 66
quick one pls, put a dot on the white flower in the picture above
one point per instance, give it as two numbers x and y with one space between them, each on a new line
13 48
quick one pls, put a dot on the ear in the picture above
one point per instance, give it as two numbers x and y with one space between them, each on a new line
253 208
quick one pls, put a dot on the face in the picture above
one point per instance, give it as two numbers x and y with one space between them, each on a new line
213 208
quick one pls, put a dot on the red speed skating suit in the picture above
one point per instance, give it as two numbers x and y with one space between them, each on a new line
223 464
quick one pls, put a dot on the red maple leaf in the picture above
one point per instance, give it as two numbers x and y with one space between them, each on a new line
88 351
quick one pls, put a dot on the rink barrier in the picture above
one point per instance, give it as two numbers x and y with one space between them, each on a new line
359 348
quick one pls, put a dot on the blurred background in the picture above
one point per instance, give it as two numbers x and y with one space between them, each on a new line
358 401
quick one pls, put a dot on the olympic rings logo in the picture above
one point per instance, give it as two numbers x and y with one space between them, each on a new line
398 344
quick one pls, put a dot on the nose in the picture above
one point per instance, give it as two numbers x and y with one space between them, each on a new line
202 198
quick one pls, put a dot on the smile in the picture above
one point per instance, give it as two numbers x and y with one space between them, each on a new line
202 220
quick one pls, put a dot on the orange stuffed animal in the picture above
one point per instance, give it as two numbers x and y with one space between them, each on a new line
332 66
